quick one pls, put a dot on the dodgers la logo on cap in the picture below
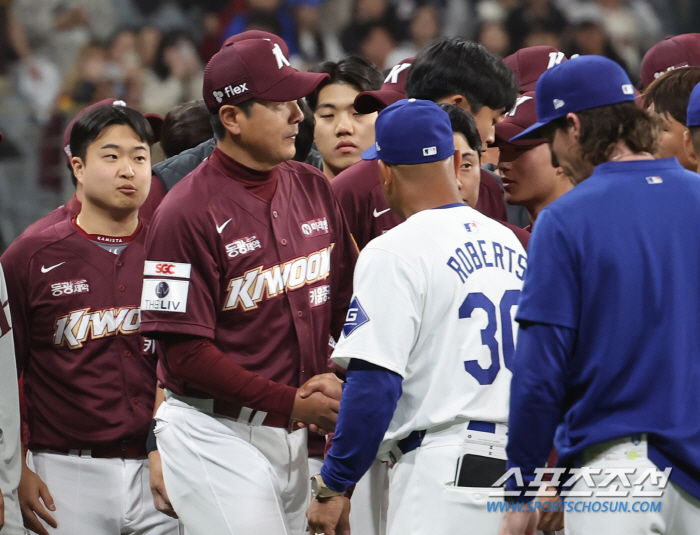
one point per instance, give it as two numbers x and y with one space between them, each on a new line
579 84
410 132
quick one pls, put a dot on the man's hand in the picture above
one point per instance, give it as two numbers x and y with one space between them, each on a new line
553 518
32 492
332 516
326 383
160 495
518 523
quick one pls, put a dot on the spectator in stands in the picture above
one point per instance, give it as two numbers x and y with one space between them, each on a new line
375 29
530 15
426 25
494 37
184 127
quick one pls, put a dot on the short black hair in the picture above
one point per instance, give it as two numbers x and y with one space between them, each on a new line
463 123
454 66
361 74
305 137
219 129
89 127
185 126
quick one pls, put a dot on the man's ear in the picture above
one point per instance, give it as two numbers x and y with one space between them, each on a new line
231 117
457 100
574 124
690 148
385 172
78 166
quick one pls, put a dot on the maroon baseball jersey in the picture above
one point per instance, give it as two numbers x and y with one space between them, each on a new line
89 377
267 282
359 192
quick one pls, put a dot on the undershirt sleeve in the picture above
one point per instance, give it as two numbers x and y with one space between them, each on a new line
210 370
537 394
369 400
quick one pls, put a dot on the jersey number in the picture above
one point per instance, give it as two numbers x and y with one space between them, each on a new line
488 335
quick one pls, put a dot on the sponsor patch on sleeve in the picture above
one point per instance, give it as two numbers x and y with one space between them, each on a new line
167 269
165 295
356 317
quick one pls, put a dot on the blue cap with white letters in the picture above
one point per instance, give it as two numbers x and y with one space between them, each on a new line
411 132
579 84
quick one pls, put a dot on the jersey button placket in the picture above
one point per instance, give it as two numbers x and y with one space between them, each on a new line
122 287
283 241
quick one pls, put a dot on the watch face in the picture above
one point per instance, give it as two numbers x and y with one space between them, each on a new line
314 485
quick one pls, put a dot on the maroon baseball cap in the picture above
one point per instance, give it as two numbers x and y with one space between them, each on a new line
258 34
393 90
523 115
155 120
254 68
529 63
671 53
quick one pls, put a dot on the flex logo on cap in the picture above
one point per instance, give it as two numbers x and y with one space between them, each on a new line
280 57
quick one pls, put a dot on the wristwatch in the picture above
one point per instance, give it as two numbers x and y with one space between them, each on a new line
320 490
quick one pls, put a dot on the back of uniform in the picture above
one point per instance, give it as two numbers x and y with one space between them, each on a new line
439 314
11 451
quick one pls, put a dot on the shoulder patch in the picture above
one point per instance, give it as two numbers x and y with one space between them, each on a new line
356 317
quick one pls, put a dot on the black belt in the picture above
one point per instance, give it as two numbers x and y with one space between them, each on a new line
415 439
126 449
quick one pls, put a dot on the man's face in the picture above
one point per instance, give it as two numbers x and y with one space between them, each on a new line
670 140
269 132
486 121
527 172
566 153
341 134
469 174
116 172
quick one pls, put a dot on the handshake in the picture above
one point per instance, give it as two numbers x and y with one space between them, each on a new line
317 403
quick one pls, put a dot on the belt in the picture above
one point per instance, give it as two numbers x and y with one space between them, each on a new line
127 449
225 409
415 439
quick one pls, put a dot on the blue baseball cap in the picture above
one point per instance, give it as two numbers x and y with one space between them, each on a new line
579 84
694 108
411 132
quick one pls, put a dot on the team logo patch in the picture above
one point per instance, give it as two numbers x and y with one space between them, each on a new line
165 295
654 180
315 227
356 317
73 330
167 269
70 287
319 295
471 227
558 103
242 246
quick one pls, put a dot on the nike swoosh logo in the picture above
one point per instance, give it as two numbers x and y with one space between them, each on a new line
46 270
220 229
377 214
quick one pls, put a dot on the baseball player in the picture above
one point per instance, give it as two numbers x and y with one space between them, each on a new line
452 71
608 346
89 376
667 98
529 179
433 396
340 133
692 136
670 54
11 451
248 274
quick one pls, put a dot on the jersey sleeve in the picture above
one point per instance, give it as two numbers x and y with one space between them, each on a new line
552 263
181 280
384 316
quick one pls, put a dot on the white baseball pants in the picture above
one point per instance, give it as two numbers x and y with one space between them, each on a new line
105 496
678 512
229 478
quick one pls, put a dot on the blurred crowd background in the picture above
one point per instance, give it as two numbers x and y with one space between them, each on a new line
57 56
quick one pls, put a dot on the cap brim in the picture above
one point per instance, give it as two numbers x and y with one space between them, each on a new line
370 153
371 101
530 133
506 132
294 86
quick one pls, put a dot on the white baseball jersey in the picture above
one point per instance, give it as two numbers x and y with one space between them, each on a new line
434 301
10 450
